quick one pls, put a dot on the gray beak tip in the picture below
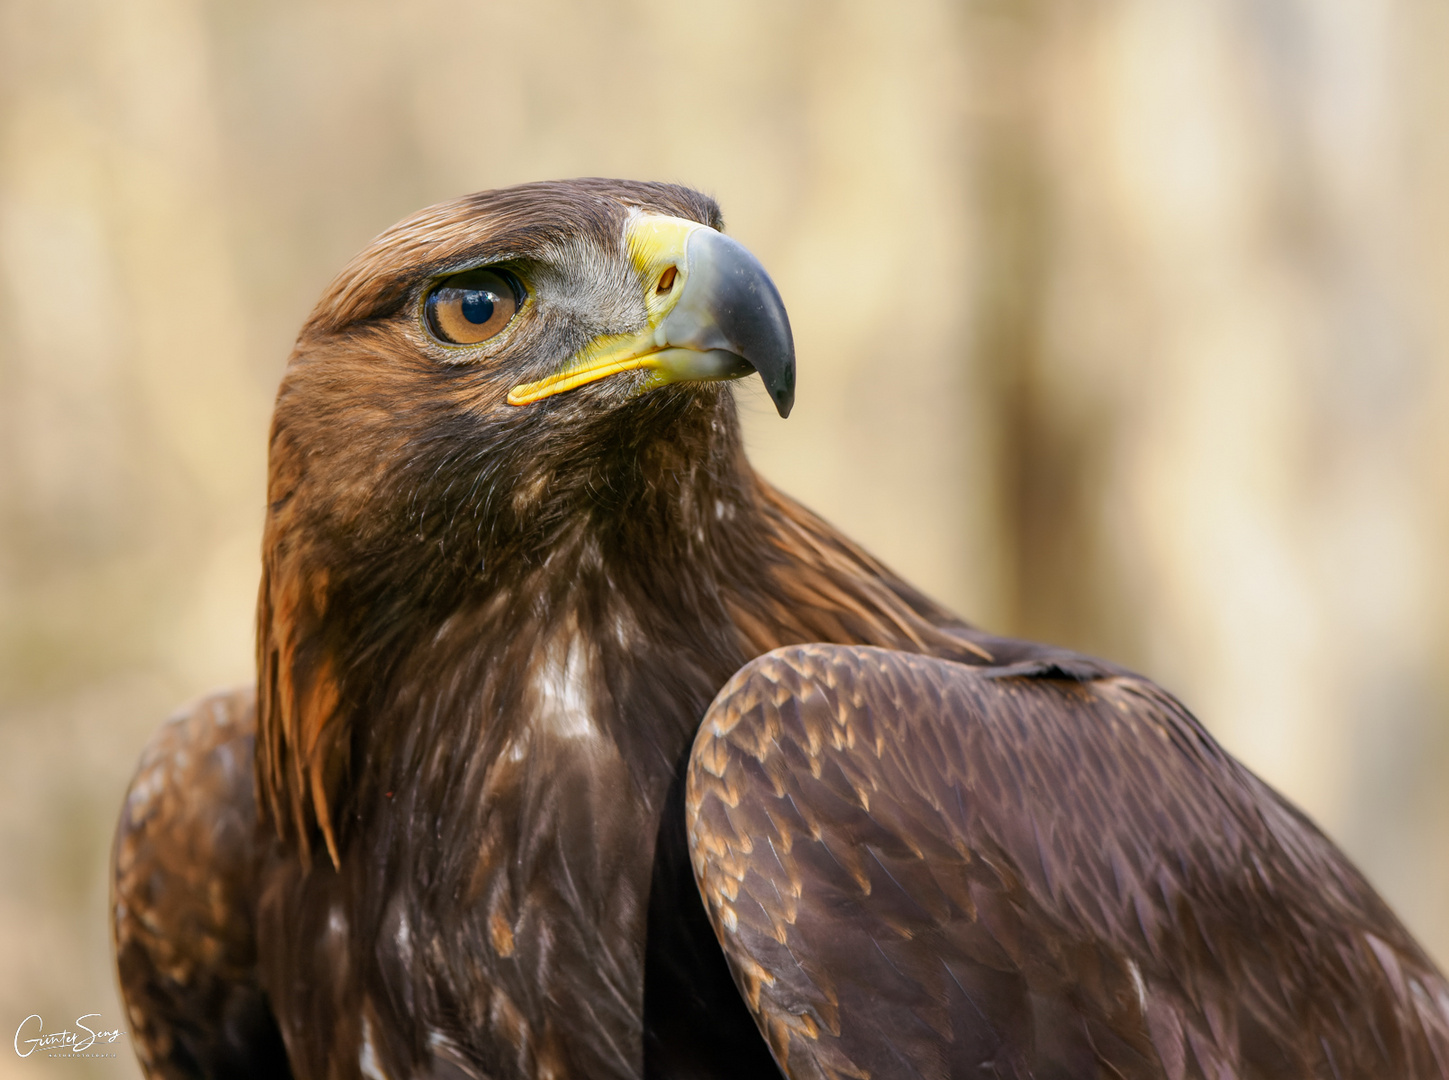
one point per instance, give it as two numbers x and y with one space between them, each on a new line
784 400
730 303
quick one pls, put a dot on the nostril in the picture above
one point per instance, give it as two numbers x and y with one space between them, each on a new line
666 280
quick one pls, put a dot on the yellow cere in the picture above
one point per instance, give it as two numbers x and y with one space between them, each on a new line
658 247
658 244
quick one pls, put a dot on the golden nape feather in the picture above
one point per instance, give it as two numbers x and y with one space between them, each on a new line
577 750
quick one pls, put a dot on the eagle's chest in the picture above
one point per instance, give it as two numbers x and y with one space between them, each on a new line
522 911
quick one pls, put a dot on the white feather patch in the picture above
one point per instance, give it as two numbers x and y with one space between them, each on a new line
561 691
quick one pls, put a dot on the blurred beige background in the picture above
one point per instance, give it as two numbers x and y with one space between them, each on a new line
1121 324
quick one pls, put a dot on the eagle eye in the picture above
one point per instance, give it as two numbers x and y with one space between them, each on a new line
471 307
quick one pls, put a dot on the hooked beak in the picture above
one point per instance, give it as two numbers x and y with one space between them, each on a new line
713 313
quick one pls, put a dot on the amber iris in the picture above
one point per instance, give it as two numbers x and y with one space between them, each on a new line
471 307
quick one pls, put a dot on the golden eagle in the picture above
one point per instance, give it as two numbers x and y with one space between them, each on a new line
578 751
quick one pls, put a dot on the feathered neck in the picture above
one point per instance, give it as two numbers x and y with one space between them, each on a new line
637 568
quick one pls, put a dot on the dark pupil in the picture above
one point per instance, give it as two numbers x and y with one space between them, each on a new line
477 306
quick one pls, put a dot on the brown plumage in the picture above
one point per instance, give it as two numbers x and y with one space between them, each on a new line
534 678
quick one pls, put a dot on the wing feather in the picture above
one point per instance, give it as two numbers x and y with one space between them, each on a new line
182 894
920 868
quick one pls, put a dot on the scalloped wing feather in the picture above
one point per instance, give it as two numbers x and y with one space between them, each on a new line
920 868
